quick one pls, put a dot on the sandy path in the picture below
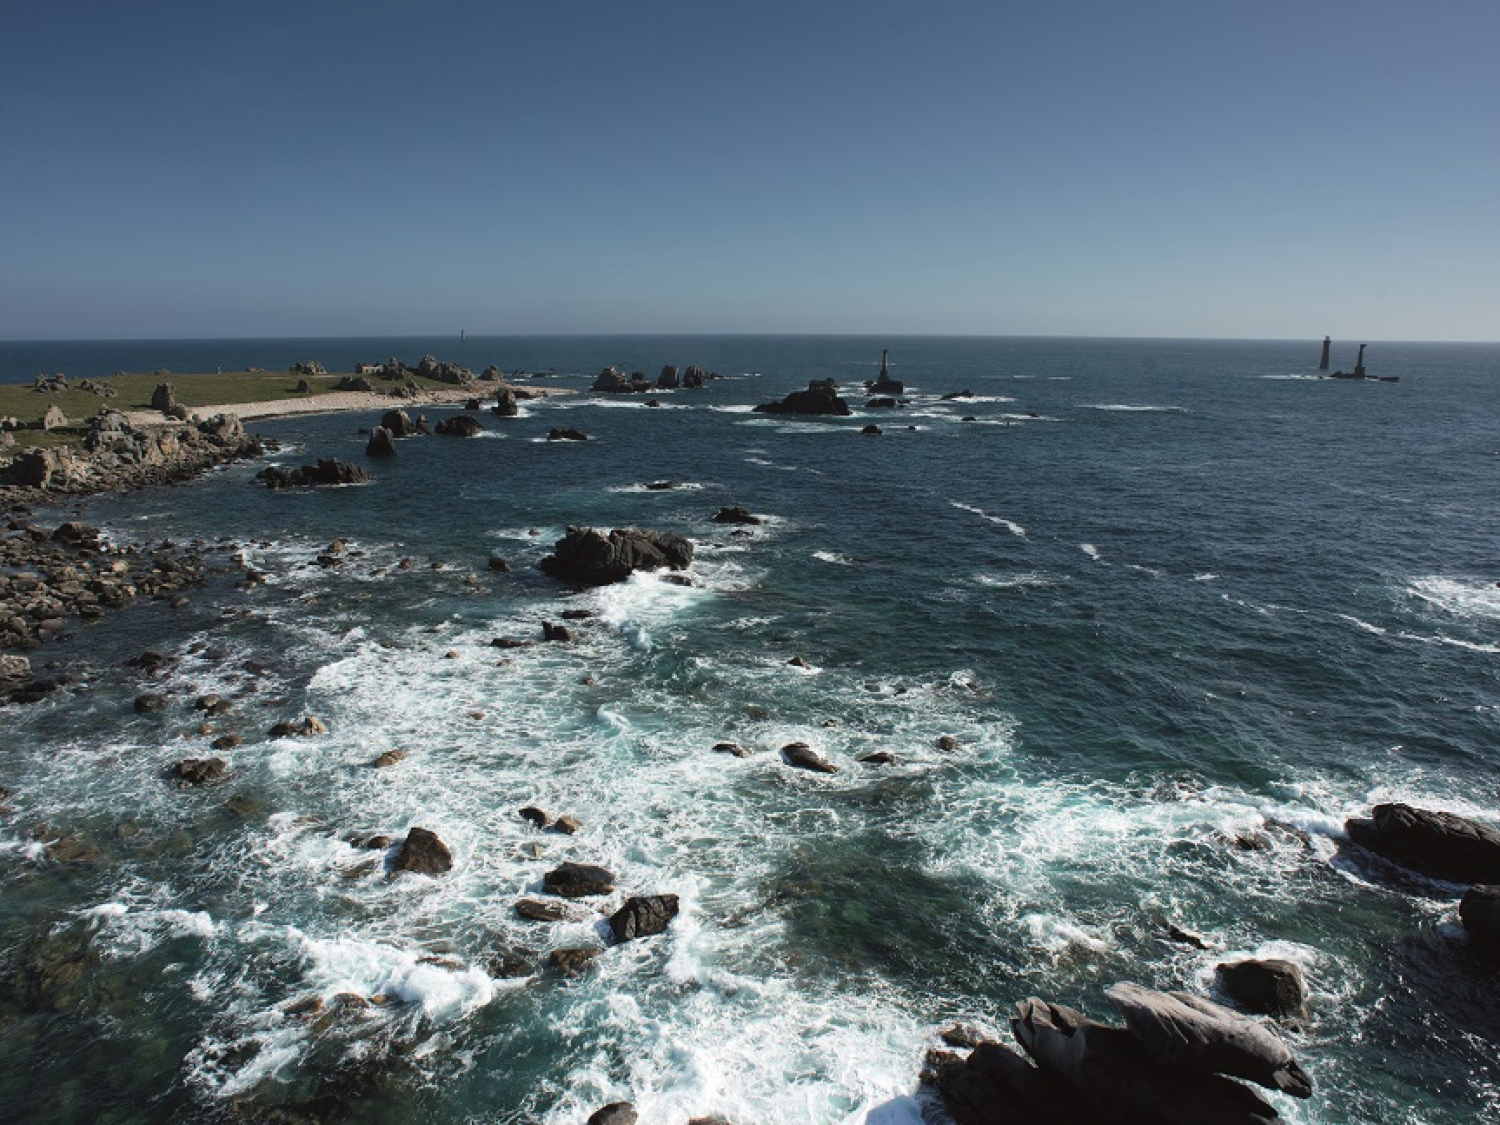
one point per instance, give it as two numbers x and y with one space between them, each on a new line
335 402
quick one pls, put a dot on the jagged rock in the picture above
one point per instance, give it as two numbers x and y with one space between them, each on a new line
948 742
567 825
498 564
693 377
354 383
213 704
303 387
1480 913
616 1113
1111 1071
736 515
566 433
554 632
505 403
1437 844
389 758
879 758
881 404
642 916
54 418
590 558
151 661
821 397
668 378
399 423
423 852
871 430
162 398
381 443
578 880
227 742
1272 987
964 1035
309 726
1178 1029
460 425
149 702
200 771
610 381
996 1086
327 471
804 757
731 748
533 815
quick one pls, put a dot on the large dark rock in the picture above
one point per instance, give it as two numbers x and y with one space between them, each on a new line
1437 844
162 398
591 558
460 425
668 379
326 471
424 853
381 443
611 381
1480 913
399 423
821 397
996 1086
1178 1029
1272 987
566 433
1112 1072
578 880
642 916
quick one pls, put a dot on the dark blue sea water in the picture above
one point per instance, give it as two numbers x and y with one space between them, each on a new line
1171 598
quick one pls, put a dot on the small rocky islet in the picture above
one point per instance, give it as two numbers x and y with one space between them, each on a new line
1180 1056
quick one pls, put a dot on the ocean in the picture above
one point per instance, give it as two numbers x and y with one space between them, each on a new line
1179 608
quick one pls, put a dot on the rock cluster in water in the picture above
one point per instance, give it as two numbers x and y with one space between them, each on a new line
587 557
327 470
821 397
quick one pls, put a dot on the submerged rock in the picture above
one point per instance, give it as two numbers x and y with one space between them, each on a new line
200 771
566 433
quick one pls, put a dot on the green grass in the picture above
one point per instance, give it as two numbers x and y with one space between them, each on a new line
195 392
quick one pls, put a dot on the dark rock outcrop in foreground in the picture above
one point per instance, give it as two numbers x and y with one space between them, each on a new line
328 470
642 916
616 1113
1437 844
590 558
381 443
821 397
1168 1066
1480 913
423 852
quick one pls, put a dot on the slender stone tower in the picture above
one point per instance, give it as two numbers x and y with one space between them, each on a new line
884 374
1359 364
1323 360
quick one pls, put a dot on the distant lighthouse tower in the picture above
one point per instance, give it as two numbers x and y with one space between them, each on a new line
1323 361
1359 364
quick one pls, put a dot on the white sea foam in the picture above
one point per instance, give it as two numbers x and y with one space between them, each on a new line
1127 408
1022 581
1010 525
1464 599
1091 551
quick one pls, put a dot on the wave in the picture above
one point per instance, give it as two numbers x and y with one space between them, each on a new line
1010 525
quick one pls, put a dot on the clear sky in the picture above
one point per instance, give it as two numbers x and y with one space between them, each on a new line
1276 168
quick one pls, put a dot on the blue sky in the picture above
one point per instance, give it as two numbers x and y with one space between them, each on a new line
1268 169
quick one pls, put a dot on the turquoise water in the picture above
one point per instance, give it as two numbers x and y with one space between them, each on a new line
1165 595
